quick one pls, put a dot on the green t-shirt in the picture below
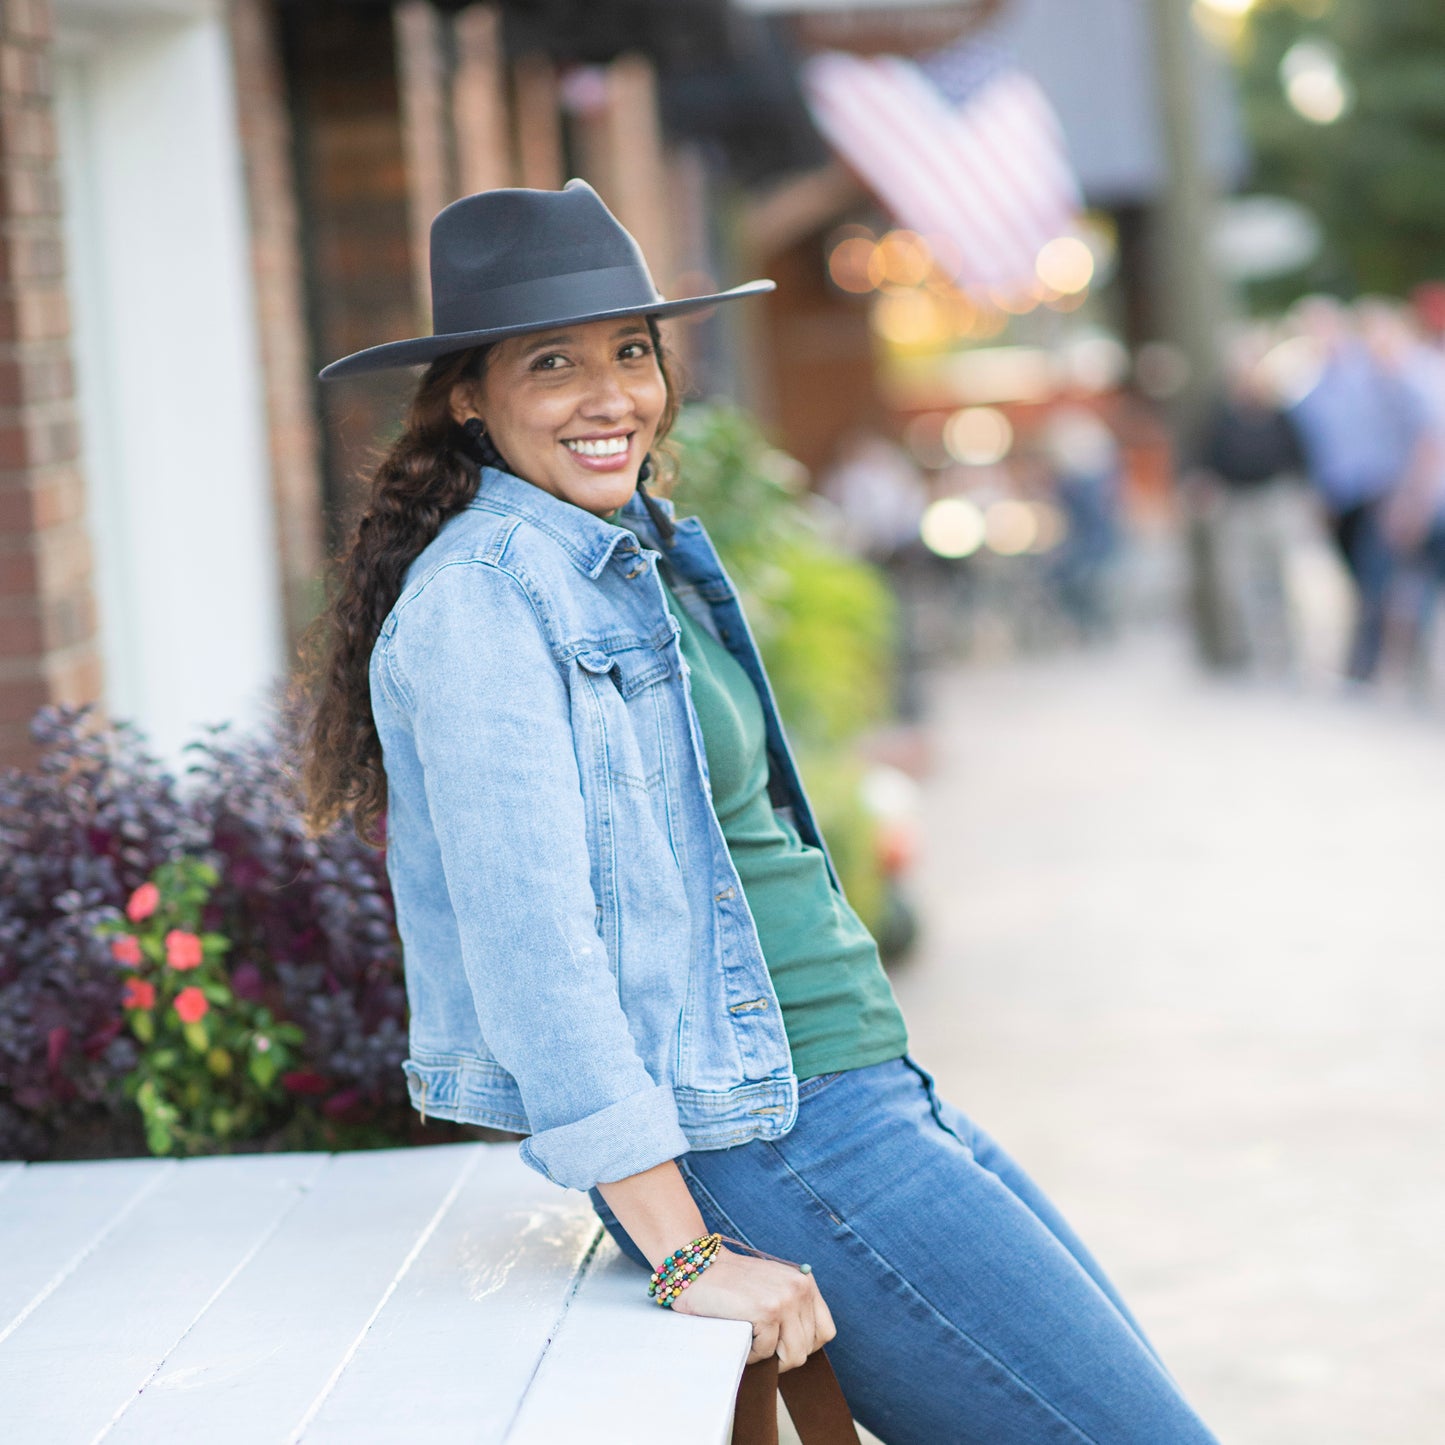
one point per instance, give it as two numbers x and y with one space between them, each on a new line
838 1008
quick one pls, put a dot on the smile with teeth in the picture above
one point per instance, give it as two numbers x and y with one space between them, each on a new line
602 447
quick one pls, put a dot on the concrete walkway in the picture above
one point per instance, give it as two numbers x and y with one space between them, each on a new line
1185 959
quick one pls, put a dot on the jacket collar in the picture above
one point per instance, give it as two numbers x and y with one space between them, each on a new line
587 540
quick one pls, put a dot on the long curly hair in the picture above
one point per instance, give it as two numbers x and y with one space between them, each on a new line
427 476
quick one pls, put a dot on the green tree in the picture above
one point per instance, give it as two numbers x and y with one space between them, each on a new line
1375 177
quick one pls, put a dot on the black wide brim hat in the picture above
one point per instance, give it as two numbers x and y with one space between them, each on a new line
507 262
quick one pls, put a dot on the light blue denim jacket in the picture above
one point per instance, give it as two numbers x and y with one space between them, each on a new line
581 965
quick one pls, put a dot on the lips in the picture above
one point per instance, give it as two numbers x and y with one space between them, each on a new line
601 454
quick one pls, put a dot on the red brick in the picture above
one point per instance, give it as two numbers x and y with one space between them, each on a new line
21 699
19 574
21 634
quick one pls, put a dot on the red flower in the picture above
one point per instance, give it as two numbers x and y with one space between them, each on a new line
125 948
305 1081
139 993
191 1005
143 902
183 950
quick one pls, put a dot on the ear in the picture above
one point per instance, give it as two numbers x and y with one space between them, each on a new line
463 402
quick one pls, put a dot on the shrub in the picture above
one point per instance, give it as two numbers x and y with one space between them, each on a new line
210 1062
78 834
309 923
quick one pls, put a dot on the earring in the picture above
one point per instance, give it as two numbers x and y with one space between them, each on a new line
483 449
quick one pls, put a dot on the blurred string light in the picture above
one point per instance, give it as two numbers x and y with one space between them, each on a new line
901 258
923 437
1065 265
1314 81
910 319
848 264
978 436
952 527
1010 527
957 527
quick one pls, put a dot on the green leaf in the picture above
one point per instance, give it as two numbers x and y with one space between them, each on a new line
262 1068
143 1025
196 1036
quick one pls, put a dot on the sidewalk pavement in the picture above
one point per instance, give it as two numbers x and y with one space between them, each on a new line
1183 957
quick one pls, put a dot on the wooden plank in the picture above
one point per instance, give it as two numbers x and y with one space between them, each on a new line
107 1328
452 1354
53 1215
621 1370
270 1345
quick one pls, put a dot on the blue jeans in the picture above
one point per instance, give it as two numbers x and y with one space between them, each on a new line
968 1312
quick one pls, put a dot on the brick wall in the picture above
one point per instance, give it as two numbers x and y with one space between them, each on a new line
48 642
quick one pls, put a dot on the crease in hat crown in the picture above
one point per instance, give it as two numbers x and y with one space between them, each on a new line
513 260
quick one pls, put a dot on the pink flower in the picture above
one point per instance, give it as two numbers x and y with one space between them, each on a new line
183 950
139 993
191 1005
143 902
125 948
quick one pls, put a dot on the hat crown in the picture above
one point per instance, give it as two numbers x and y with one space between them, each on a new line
495 254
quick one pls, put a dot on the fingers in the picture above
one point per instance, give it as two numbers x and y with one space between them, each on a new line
765 1343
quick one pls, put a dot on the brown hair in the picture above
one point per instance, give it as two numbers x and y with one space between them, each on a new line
423 479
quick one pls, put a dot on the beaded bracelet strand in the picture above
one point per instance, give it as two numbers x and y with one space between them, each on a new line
681 1268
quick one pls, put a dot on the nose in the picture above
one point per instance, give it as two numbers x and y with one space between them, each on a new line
606 398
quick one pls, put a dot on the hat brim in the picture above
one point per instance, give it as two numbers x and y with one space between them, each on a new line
422 349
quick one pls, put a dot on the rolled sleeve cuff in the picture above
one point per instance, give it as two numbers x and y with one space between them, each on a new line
625 1138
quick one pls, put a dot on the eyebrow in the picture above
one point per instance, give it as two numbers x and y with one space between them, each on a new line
565 338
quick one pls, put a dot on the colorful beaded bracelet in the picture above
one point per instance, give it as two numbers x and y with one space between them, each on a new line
681 1268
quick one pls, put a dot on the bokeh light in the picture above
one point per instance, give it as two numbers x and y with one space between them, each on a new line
901 258
978 436
952 527
910 319
848 264
1010 527
923 437
1065 265
1314 81
1051 526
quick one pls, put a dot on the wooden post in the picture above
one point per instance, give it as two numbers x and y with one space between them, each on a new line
539 124
479 111
635 163
276 266
426 132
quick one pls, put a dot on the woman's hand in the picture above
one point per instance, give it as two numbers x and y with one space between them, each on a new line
783 1305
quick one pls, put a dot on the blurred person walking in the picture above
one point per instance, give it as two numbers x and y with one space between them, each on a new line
1250 469
623 937
1414 516
1082 457
1358 426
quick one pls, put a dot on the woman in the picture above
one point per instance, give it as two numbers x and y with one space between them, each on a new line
623 936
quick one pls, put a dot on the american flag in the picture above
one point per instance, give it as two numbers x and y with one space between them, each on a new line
962 147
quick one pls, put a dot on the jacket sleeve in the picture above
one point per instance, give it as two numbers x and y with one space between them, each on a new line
491 722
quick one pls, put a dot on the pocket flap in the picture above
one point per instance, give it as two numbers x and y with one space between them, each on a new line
631 669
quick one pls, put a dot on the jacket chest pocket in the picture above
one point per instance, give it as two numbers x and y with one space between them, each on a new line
629 708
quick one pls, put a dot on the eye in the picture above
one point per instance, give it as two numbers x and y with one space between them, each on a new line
635 350
551 361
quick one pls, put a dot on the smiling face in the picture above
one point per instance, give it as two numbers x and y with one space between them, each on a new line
575 410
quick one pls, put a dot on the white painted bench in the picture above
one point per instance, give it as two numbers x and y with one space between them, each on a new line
437 1294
